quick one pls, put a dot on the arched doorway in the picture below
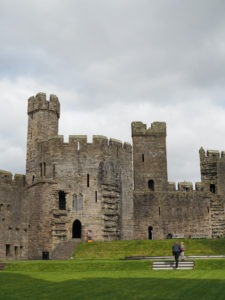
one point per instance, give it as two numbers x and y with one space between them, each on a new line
76 229
150 229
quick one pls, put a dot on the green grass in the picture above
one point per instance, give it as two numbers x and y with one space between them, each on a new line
102 279
121 249
88 277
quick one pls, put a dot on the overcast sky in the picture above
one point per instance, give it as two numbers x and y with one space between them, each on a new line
112 62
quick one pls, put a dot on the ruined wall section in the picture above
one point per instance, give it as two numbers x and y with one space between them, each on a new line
149 156
13 217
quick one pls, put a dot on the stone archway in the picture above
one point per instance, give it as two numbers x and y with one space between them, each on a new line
77 229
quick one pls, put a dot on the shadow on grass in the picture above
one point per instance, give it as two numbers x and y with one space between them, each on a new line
18 286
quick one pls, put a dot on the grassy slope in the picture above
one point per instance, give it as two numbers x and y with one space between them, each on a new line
121 249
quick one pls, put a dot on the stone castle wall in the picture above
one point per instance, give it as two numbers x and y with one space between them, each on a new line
13 217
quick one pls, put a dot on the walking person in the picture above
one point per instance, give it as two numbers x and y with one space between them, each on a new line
176 253
182 256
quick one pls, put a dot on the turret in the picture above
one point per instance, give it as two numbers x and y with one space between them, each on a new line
149 156
212 164
43 118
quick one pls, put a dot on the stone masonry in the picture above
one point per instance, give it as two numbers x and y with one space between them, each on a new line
105 190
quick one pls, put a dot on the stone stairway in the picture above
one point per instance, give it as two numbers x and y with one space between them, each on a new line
170 265
65 250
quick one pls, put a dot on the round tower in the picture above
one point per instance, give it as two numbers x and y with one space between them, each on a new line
43 118
149 157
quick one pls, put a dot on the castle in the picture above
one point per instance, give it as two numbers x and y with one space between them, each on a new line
105 190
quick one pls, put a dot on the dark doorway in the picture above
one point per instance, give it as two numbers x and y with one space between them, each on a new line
45 255
76 229
150 232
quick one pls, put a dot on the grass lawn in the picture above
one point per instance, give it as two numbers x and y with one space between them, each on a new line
102 279
114 278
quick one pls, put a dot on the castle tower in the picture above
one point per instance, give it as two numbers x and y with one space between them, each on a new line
43 118
149 157
212 164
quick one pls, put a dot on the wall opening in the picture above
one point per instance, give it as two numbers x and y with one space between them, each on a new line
143 157
62 200
88 180
212 188
7 250
151 185
150 229
76 232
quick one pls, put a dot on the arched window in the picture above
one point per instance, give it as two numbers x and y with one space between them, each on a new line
151 185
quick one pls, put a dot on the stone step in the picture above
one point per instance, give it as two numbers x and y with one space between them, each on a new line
170 265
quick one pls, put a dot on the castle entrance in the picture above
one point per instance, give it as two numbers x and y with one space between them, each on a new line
76 229
150 229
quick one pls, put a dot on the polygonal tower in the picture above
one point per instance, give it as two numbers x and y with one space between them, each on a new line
149 157
43 118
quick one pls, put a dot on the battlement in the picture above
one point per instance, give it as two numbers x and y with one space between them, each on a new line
156 129
98 141
185 186
211 154
39 102
7 178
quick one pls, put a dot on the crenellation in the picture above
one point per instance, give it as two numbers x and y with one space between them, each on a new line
116 143
100 140
39 102
171 186
185 186
20 180
6 177
156 129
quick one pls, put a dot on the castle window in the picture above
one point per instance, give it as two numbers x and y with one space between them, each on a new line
151 185
44 167
143 157
7 249
74 201
212 188
41 169
88 180
62 200
96 196
159 211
